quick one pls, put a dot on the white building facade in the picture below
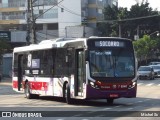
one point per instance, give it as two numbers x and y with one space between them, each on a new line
52 16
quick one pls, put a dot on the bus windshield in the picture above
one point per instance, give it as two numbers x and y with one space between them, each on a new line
117 62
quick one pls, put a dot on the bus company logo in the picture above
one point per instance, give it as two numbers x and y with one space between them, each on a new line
21 114
6 114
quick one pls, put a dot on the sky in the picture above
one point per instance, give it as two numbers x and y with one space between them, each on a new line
128 3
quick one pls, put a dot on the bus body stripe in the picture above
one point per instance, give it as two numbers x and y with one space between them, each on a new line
34 85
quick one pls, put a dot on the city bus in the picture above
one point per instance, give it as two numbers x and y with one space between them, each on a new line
76 68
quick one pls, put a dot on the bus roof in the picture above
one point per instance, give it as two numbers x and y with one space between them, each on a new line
59 42
47 44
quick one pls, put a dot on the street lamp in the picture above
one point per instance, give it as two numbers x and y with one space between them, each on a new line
154 33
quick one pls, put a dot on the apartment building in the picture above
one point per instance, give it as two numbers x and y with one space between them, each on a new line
92 10
52 16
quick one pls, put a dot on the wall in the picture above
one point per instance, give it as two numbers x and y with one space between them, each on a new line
71 15
7 65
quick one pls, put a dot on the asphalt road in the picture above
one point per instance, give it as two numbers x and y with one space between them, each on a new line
145 106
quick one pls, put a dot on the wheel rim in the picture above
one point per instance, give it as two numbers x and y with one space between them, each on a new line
27 91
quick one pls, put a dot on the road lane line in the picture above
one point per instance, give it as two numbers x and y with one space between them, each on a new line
118 106
106 108
78 115
140 84
139 101
130 103
129 108
149 84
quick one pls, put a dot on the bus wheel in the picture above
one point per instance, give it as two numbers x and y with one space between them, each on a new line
27 92
110 101
67 94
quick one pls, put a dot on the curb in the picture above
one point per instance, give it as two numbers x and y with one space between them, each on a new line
6 81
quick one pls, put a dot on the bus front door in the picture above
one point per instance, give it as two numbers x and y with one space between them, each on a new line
20 73
80 73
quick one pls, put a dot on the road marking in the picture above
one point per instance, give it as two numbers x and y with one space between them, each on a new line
106 108
100 116
139 101
130 103
140 84
91 112
118 106
78 115
149 84
129 108
147 99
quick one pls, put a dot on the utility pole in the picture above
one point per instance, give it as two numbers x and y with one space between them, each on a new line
28 22
31 23
84 27
120 32
33 26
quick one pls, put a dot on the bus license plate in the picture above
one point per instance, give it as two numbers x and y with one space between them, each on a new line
113 95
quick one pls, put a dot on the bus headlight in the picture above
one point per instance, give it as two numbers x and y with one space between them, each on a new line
94 85
132 85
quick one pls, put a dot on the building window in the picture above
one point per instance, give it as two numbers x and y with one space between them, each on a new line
39 27
62 9
53 13
100 11
53 26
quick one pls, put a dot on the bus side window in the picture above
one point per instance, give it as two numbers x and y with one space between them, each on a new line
60 63
25 61
15 69
71 58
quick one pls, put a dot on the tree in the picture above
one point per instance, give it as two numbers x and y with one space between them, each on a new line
115 17
144 47
109 28
145 25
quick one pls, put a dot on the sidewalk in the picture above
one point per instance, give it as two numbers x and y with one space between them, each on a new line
6 81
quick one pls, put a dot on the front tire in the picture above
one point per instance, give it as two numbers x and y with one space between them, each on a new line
28 93
67 94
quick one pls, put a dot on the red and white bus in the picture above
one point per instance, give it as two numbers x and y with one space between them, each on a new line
78 68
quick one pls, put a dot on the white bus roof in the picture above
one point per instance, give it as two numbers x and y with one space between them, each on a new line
53 43
47 44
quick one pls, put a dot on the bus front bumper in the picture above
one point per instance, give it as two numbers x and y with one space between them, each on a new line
93 93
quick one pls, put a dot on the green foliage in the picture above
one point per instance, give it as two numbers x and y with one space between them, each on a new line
109 28
145 47
129 28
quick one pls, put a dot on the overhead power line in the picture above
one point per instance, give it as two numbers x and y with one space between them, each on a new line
31 21
49 9
129 19
68 10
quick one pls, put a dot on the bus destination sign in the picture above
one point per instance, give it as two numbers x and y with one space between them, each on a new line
109 44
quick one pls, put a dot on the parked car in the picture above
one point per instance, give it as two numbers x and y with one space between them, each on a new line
154 63
156 69
146 72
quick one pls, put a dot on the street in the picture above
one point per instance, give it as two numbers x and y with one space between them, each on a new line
147 104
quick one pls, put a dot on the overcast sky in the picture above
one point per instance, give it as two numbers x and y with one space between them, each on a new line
128 3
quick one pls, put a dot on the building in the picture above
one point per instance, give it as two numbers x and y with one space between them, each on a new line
52 17
92 10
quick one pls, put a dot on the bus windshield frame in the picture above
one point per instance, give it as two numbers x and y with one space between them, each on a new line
111 58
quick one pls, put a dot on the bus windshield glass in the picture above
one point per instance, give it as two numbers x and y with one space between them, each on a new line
116 62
